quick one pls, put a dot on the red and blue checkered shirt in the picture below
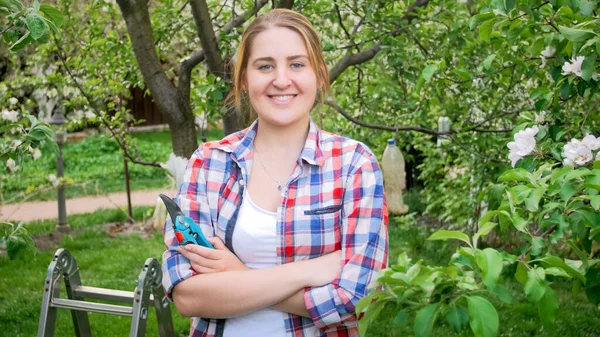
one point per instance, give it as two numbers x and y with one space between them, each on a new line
333 200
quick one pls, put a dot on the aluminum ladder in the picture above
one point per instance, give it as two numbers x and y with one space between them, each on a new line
149 291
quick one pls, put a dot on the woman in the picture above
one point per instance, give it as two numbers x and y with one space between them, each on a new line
297 215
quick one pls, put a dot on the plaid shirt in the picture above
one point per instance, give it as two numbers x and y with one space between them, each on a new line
332 201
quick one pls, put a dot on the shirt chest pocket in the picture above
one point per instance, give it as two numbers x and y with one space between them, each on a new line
325 224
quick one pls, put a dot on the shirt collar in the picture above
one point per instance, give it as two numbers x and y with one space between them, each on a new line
239 144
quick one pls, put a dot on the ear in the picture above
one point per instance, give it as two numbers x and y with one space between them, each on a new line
244 82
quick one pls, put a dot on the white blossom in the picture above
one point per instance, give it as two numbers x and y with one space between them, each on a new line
16 143
548 52
574 67
591 142
53 180
9 115
580 152
523 145
10 163
13 101
52 93
89 114
176 167
540 118
36 154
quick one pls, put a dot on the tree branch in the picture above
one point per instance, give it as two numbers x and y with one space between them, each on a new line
122 144
187 64
353 59
208 40
341 20
404 128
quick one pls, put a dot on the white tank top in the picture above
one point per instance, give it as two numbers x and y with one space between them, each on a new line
254 242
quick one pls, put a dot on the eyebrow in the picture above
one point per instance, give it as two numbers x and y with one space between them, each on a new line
270 59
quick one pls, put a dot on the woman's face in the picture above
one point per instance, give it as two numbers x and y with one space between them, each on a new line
281 83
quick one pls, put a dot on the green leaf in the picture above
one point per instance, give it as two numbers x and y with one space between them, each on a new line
487 63
575 34
548 308
484 230
485 31
458 318
14 4
567 190
565 90
592 288
586 7
429 71
502 294
484 317
22 42
595 202
401 318
533 199
370 315
537 244
445 235
36 25
521 273
518 222
557 262
593 180
479 18
587 67
535 285
517 174
490 262
425 319
53 15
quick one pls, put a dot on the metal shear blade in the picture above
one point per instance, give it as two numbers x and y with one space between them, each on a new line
172 208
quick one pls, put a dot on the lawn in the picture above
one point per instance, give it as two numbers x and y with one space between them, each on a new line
96 166
115 263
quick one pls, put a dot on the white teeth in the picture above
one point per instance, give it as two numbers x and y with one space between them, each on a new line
282 98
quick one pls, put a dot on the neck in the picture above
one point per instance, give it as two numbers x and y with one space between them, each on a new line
274 141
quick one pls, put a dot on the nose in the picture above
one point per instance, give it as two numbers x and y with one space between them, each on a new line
282 79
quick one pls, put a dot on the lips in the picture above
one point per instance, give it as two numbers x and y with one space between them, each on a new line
282 99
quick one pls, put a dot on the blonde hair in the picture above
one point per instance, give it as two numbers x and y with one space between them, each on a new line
284 18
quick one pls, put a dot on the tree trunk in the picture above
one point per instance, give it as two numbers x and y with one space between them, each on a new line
175 109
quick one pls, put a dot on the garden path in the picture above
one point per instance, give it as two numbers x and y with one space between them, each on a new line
40 210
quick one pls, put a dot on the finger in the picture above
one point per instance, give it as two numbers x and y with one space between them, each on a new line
198 260
203 270
217 243
200 250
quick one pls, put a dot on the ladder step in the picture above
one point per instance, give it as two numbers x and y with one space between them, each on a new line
92 307
107 294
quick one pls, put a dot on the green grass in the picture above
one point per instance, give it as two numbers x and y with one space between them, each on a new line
115 263
96 167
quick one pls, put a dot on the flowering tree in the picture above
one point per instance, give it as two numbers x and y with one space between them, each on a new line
24 136
550 197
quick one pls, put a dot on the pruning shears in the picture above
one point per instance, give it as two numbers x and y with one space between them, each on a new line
186 230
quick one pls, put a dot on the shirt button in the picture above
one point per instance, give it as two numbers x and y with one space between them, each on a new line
242 182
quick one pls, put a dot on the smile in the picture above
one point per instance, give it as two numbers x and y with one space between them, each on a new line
282 99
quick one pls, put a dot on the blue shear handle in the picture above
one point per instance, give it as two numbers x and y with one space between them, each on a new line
191 233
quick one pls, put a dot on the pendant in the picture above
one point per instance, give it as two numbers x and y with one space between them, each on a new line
279 187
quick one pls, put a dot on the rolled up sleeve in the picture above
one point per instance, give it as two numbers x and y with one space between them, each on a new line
364 248
193 201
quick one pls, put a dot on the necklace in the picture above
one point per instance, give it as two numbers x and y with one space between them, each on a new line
265 169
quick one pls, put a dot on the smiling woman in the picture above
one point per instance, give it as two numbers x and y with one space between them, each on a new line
297 237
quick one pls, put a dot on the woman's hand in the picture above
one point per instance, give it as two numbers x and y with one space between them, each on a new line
205 260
